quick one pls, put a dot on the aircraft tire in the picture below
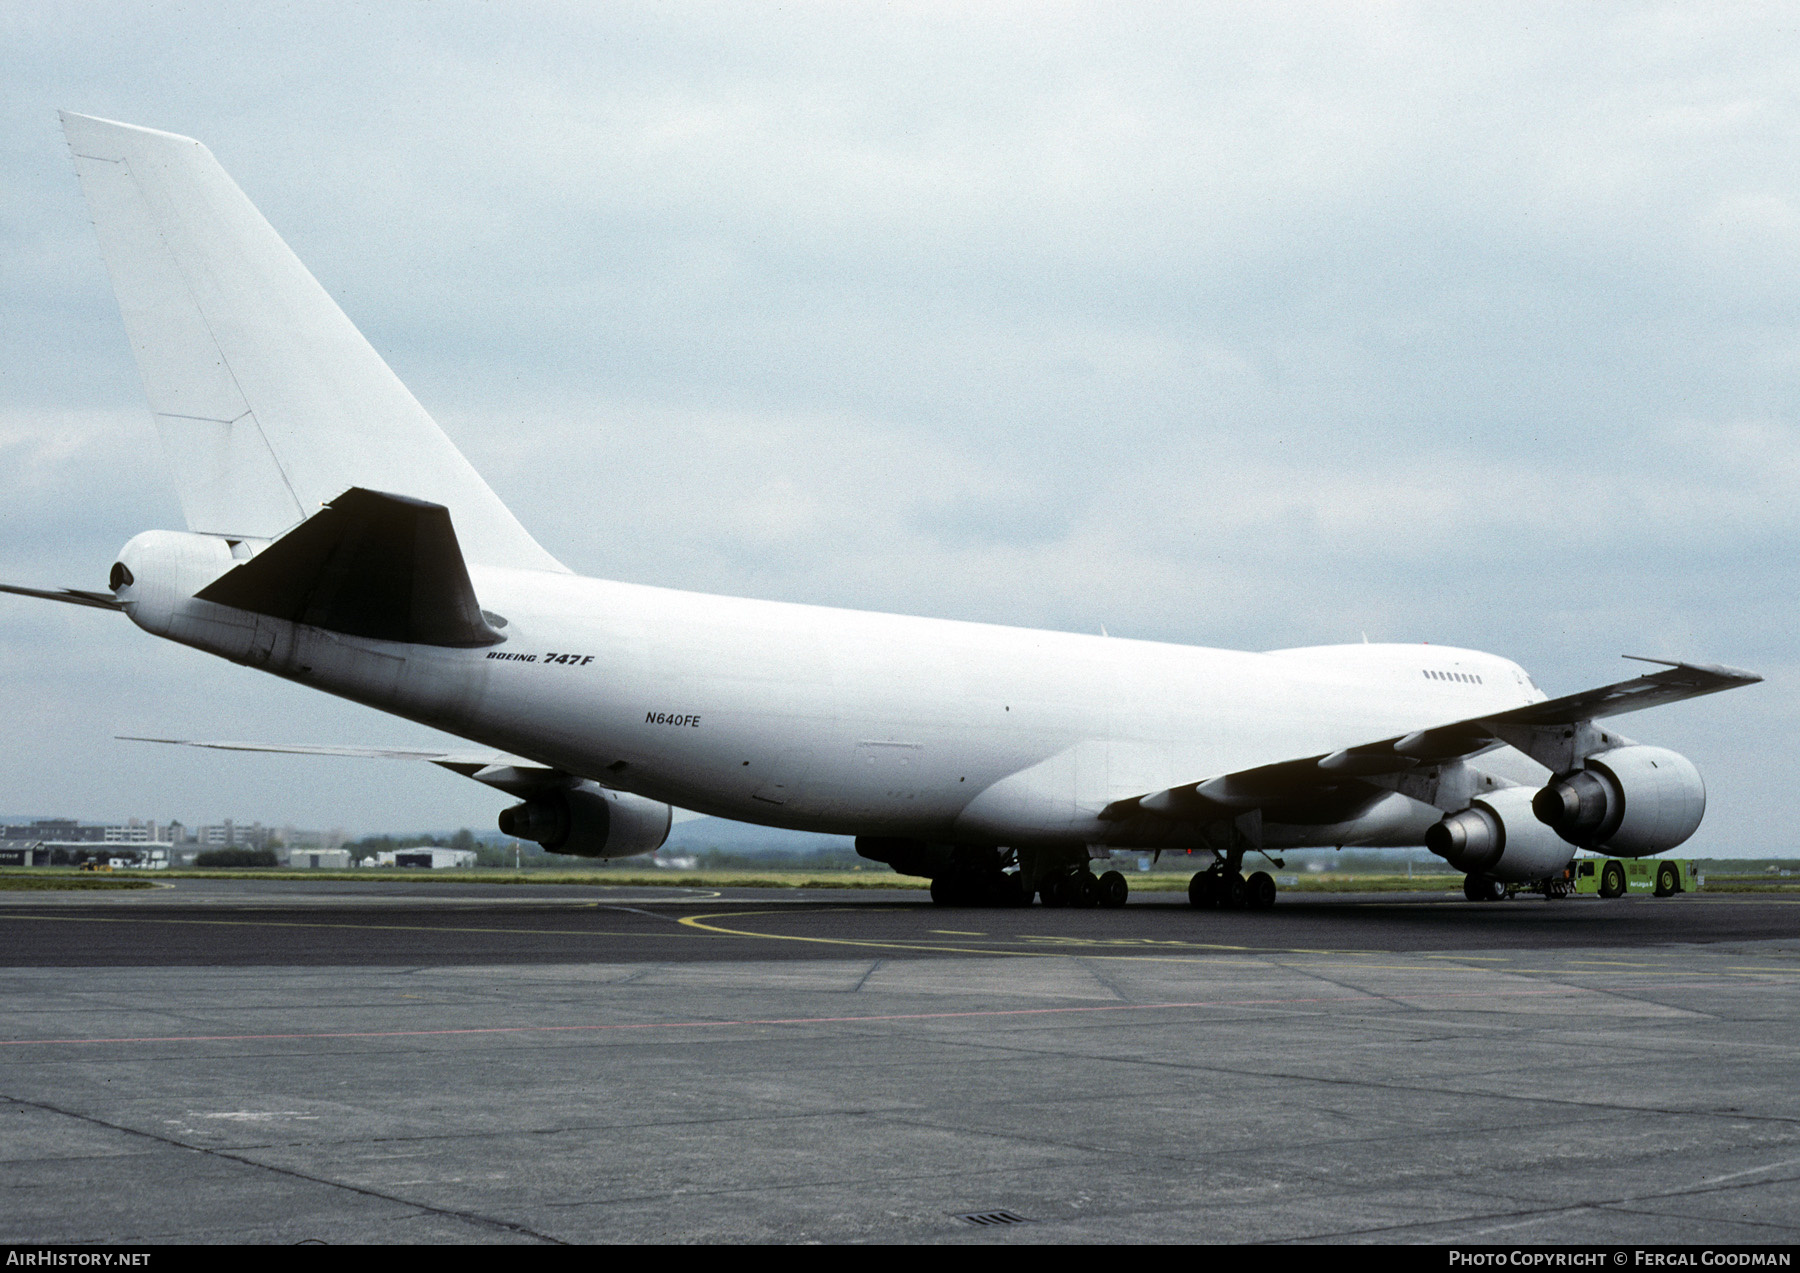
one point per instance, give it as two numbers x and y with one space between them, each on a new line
944 891
1232 892
1259 891
1054 891
1484 888
1479 888
1113 890
1086 891
1203 890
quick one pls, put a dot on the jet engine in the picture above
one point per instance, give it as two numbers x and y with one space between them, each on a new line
1630 802
1497 836
590 821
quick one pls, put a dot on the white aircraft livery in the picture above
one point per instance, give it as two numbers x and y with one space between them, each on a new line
336 537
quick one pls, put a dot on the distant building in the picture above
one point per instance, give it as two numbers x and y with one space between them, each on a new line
75 852
60 830
296 838
426 856
137 832
317 859
233 835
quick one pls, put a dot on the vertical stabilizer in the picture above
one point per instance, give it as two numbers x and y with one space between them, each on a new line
268 400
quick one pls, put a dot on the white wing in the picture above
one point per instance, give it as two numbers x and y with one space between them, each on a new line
1555 733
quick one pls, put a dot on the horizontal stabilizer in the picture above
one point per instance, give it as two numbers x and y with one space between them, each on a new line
74 596
511 774
368 564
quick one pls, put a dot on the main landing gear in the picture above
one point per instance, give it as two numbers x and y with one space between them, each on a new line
974 876
1221 888
1079 889
1083 889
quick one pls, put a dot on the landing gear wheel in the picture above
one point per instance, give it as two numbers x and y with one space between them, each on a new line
944 891
1054 890
1232 892
1203 890
1259 891
1085 890
1612 880
1668 880
1481 888
1016 892
1113 890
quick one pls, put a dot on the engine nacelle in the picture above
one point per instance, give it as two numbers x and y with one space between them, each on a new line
1630 802
1499 836
590 821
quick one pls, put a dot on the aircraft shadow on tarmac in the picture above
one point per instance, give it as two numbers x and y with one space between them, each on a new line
617 926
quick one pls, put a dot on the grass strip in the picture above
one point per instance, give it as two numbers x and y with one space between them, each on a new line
42 883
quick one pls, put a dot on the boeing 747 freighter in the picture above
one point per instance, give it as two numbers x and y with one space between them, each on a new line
335 537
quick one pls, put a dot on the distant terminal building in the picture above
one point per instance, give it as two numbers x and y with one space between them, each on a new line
141 843
76 852
67 842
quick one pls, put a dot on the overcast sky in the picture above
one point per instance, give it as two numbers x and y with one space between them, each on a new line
1249 326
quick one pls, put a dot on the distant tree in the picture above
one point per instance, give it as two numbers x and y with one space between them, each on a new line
490 854
373 844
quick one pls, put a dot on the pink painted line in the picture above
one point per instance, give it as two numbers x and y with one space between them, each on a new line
899 1016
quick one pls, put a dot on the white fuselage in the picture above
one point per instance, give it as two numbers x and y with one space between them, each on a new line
816 718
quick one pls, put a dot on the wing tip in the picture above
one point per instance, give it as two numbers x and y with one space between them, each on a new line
1736 675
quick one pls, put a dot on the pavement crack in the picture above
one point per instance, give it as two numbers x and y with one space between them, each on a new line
1081 1057
1362 991
470 1217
